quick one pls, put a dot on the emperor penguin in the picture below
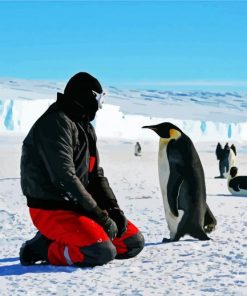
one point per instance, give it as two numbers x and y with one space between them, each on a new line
182 185
237 185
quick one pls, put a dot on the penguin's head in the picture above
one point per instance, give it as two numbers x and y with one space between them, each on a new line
166 130
233 172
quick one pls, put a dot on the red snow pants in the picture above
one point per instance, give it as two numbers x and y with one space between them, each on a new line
78 240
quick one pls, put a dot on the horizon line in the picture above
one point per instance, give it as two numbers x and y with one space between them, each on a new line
175 83
200 82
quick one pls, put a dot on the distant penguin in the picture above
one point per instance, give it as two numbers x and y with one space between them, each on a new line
218 151
237 185
220 156
138 149
223 155
182 184
232 158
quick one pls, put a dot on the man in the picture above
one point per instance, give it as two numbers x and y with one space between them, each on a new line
70 200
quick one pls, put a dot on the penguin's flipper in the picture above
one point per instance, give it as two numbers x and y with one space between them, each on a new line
173 188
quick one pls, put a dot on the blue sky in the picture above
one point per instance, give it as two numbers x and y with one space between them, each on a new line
142 44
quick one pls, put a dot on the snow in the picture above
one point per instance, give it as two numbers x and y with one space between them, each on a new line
187 267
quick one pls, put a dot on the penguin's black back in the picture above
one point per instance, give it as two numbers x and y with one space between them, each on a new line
183 158
238 183
185 165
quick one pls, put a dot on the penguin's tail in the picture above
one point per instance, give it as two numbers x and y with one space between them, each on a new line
210 221
209 228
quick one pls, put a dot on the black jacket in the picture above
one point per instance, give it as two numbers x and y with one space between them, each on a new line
55 166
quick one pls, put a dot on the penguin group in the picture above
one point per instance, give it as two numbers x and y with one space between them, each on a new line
227 159
237 185
182 185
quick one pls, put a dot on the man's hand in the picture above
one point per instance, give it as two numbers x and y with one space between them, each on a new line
117 215
110 227
103 219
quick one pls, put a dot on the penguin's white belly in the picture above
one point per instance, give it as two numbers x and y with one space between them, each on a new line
232 159
164 173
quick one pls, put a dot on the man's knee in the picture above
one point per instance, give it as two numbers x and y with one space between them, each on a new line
99 253
134 244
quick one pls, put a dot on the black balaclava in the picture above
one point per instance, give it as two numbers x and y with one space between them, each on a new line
78 100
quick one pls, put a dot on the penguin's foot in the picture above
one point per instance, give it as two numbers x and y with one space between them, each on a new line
166 240
220 177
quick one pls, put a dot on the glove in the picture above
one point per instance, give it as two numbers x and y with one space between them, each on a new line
118 217
102 218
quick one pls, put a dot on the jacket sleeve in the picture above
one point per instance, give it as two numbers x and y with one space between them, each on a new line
55 145
100 188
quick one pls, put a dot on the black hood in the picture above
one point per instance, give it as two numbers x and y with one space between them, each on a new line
78 100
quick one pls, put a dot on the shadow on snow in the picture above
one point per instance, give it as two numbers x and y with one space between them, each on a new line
18 269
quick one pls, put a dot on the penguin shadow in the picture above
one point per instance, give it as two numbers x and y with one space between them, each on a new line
18 269
215 178
233 195
228 195
187 240
168 241
220 194
219 177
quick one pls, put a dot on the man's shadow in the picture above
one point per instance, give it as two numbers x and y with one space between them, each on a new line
18 269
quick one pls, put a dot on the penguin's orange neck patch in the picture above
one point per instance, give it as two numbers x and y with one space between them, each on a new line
174 134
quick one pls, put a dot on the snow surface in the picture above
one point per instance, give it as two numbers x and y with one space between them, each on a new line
187 267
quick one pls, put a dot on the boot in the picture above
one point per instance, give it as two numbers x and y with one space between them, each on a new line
34 250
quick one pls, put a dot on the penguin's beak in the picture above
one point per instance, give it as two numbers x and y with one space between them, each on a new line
152 127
